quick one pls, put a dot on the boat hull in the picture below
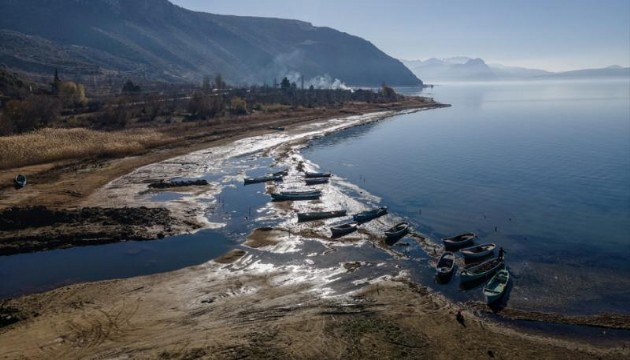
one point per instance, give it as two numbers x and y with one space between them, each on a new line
344 229
369 215
397 231
470 253
494 290
445 265
320 215
262 179
317 175
291 196
483 270
316 181
459 241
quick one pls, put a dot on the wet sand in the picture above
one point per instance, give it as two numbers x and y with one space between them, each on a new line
245 305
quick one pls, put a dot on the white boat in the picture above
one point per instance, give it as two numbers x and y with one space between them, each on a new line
478 251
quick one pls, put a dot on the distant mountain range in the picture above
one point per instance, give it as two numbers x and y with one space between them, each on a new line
468 69
161 41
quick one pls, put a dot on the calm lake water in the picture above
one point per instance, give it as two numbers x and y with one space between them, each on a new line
540 168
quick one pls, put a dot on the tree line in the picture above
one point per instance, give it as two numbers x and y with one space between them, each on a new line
65 104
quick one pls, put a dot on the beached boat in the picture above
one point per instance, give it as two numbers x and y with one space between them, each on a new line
316 181
482 270
317 215
370 214
397 230
343 229
296 195
459 240
479 251
261 179
445 265
495 288
20 181
316 175
284 172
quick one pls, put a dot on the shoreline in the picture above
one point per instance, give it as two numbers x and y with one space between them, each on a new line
238 277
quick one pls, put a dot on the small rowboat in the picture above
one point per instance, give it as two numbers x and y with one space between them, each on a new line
397 230
479 251
370 214
296 195
316 181
308 216
316 175
495 288
445 265
343 229
20 181
260 179
459 240
482 270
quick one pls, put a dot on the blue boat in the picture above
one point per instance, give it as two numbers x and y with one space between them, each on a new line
316 181
260 179
370 214
296 195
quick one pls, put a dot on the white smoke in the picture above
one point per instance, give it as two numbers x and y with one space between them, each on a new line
318 82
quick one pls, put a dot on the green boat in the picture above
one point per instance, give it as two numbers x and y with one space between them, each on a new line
495 288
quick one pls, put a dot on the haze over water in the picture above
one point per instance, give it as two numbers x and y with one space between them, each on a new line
547 163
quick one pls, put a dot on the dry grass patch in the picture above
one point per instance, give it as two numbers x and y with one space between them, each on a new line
48 145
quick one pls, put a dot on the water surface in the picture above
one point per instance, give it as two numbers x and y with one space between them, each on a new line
540 168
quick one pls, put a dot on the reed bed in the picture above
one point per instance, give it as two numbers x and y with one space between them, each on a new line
47 145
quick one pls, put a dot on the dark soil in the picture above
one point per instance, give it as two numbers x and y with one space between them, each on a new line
28 229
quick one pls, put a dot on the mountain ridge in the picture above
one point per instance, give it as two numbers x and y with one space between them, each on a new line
159 40
463 68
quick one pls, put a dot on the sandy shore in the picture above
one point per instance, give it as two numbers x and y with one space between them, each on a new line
287 292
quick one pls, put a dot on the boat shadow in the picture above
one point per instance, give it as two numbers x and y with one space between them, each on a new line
337 236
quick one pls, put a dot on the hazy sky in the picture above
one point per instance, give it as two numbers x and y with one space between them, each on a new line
547 34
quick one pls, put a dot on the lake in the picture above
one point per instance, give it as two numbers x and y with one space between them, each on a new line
541 168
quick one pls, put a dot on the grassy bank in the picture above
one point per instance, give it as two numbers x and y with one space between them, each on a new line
47 145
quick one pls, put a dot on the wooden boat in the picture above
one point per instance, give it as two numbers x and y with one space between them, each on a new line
482 270
370 214
397 230
20 181
284 172
260 179
296 195
445 265
495 288
316 175
308 216
459 240
316 181
343 229
479 251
